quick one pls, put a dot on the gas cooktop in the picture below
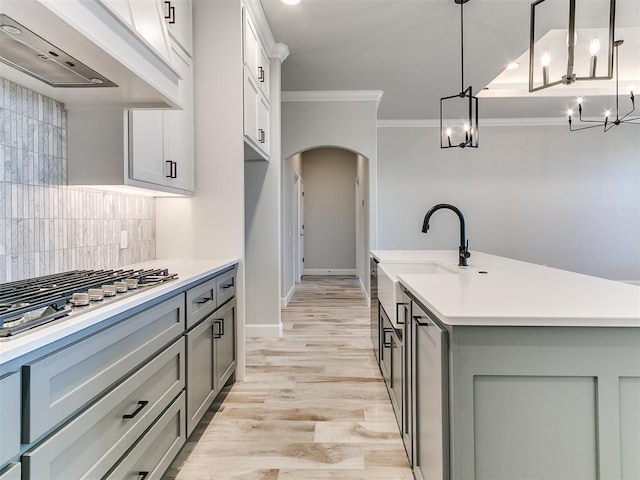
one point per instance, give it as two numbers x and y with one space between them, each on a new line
26 304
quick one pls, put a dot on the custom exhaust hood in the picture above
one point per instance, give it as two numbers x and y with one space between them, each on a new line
84 55
23 49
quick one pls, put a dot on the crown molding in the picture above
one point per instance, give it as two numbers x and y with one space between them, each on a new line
274 50
334 96
280 52
484 122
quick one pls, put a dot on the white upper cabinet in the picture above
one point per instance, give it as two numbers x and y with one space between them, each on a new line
161 141
150 149
124 41
178 16
256 92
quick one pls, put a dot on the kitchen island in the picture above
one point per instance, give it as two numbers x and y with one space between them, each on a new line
513 370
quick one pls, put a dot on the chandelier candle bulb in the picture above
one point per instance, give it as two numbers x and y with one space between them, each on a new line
594 49
545 61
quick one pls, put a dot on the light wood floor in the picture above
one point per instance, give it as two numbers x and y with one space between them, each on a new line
313 405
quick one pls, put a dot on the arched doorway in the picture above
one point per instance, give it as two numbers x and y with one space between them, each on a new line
328 225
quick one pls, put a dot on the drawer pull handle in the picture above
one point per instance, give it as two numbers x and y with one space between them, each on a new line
220 323
261 74
171 12
385 343
419 321
141 405
142 475
204 300
231 284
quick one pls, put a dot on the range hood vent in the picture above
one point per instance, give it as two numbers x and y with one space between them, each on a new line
22 49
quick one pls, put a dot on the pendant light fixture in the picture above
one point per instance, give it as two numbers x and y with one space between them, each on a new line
607 124
459 113
562 56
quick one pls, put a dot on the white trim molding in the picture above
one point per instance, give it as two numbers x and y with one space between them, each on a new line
284 301
334 96
483 122
330 271
263 330
280 52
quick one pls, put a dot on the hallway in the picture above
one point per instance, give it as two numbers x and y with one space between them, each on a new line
313 405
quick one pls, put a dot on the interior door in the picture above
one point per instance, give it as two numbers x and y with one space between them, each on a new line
300 224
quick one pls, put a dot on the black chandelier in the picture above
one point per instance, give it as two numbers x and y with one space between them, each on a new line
578 46
606 123
459 113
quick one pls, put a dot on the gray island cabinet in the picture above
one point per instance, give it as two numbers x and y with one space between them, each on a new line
107 393
523 372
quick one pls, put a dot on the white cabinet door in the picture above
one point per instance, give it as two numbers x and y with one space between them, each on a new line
146 144
161 141
148 20
251 46
178 127
120 8
263 73
251 94
263 124
178 15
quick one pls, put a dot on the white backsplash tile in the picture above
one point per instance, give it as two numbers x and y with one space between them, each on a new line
49 227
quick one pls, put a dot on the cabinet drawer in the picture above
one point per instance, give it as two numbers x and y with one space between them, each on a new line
226 286
105 431
63 382
9 416
151 457
201 301
11 472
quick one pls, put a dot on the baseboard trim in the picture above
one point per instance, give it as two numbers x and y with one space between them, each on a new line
330 271
364 292
284 301
263 331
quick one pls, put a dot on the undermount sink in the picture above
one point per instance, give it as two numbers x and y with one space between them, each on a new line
389 292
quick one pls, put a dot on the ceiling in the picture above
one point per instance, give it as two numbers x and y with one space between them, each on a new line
410 49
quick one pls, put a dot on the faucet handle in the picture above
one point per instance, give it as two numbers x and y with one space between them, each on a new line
465 252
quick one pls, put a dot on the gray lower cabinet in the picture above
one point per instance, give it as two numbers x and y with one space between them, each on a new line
11 472
106 430
150 457
63 382
10 397
391 360
429 405
385 345
225 343
201 389
211 360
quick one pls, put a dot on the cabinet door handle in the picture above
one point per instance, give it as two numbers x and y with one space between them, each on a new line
261 135
170 168
220 324
226 286
398 317
261 74
174 169
141 405
385 343
204 300
171 12
142 475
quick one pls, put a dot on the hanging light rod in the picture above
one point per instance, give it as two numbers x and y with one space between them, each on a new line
606 124
460 130
583 47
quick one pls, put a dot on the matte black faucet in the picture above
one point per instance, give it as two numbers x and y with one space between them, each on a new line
463 249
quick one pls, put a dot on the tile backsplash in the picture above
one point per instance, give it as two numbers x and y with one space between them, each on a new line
45 225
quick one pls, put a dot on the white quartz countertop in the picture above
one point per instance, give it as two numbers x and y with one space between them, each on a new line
188 270
515 293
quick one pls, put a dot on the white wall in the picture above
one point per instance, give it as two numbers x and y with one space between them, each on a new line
329 176
262 229
211 223
539 194
346 124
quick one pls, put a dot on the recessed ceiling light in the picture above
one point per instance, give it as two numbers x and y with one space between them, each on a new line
513 66
291 2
